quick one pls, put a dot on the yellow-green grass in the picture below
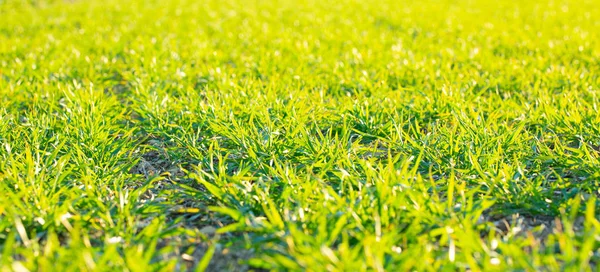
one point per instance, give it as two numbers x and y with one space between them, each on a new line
312 135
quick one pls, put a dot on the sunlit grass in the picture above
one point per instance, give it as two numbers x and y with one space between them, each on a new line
312 135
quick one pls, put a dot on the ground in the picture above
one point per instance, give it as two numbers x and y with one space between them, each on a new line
299 135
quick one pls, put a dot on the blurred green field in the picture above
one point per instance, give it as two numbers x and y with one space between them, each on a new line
299 135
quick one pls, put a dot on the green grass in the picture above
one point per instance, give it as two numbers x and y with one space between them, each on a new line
313 135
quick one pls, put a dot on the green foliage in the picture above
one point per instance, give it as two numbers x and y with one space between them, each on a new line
318 135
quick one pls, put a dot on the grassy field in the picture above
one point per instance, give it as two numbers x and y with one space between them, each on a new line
299 135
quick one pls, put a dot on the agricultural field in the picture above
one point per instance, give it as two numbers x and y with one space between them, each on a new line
230 135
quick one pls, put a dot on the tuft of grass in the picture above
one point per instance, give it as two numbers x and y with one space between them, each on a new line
299 135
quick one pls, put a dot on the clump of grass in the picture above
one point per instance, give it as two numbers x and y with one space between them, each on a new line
285 135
